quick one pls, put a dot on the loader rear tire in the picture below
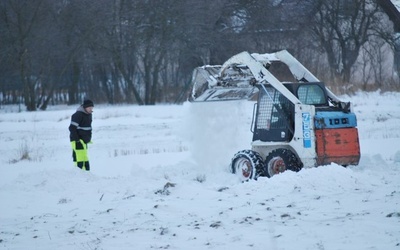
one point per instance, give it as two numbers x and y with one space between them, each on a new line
247 164
280 160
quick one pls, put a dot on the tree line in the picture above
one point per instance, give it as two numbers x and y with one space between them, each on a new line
144 51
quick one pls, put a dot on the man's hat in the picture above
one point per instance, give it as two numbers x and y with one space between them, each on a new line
87 103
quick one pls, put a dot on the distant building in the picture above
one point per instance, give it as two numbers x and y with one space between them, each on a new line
392 9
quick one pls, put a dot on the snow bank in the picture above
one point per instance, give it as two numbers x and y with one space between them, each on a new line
159 180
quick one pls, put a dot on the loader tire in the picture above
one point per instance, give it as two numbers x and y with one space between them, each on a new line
247 164
280 160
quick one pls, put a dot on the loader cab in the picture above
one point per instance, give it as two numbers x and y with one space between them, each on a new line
274 114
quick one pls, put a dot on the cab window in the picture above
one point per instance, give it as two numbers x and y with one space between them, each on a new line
311 95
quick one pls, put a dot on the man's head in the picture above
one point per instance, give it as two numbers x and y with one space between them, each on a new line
88 106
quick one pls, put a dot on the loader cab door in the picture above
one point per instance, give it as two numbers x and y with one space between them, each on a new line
274 119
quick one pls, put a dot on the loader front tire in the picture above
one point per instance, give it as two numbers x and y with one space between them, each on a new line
247 164
280 160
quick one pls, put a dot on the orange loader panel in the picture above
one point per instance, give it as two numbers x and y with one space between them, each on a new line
338 145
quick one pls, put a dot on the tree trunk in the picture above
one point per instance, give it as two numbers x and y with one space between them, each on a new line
73 90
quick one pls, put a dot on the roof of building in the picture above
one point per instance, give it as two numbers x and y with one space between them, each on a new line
392 9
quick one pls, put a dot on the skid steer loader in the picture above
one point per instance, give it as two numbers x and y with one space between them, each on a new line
295 125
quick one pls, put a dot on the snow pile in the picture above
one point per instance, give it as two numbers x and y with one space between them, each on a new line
159 180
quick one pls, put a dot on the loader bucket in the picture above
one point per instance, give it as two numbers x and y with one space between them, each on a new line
209 86
226 94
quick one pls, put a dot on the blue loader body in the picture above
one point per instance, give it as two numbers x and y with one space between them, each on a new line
334 119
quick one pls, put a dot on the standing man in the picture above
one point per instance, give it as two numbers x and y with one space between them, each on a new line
81 134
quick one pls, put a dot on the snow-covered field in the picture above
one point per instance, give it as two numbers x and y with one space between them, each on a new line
160 180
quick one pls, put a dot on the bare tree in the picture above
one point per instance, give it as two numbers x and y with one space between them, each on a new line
159 24
23 20
144 52
342 28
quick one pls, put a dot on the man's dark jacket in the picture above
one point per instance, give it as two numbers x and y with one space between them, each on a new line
81 126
